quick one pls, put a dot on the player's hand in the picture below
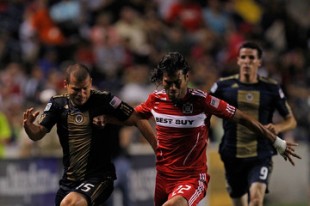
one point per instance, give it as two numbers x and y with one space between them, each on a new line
99 121
289 152
272 127
29 117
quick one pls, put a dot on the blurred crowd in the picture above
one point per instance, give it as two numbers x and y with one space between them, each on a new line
122 40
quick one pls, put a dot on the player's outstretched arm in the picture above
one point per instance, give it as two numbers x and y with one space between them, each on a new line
145 128
34 132
134 120
286 149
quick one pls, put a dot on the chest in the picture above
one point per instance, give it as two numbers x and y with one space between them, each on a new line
183 115
254 96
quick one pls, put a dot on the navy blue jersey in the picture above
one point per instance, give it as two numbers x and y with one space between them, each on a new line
86 147
260 100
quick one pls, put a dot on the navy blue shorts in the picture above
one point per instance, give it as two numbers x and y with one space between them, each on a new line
241 173
95 190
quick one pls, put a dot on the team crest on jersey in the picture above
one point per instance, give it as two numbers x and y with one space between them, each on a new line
79 118
187 108
249 97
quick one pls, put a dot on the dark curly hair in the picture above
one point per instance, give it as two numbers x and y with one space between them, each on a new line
252 45
170 63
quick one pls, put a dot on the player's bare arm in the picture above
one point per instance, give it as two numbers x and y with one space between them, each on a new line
134 120
286 149
145 128
35 132
287 124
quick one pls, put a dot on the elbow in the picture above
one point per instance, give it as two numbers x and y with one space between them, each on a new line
130 122
135 120
294 123
36 135
35 138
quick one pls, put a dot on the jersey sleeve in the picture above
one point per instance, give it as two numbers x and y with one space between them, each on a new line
122 110
104 102
281 103
50 114
219 107
216 89
145 108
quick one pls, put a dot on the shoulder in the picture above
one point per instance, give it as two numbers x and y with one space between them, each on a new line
197 93
57 102
272 86
225 82
158 94
229 78
268 80
269 84
101 93
101 96
59 99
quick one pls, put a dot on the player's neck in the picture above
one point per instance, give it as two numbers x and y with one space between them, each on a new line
249 78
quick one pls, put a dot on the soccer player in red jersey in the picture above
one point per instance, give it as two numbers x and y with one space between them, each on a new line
182 117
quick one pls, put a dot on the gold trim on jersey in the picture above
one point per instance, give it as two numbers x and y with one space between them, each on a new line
235 76
267 80
248 101
79 139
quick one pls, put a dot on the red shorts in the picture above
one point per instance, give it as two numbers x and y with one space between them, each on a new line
192 188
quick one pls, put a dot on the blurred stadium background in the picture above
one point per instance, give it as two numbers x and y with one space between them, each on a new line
121 40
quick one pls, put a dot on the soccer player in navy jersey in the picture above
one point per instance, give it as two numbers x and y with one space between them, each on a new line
182 117
247 156
88 171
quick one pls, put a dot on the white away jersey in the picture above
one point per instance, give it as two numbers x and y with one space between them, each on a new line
182 129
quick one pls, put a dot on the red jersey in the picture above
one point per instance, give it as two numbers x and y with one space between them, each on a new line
182 129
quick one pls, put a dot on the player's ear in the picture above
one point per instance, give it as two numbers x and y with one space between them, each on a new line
65 84
260 63
187 75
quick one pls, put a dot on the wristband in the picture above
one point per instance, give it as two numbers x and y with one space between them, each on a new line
280 145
